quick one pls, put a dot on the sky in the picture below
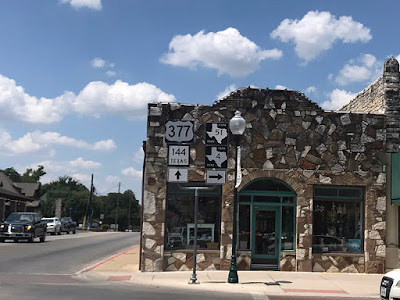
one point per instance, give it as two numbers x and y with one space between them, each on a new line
76 75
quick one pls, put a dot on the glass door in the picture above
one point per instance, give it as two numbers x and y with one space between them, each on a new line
266 234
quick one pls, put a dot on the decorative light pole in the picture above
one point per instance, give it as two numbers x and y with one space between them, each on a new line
237 126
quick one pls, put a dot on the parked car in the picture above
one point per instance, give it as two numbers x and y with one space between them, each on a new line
23 225
327 243
53 225
68 225
390 285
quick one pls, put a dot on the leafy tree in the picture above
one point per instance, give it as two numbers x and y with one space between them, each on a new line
12 174
31 175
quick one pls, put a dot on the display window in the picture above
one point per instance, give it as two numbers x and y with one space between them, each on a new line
179 219
338 215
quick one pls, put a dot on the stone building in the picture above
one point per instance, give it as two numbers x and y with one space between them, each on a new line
317 191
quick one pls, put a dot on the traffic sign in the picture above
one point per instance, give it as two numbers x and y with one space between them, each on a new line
178 175
178 155
216 133
216 177
216 157
179 131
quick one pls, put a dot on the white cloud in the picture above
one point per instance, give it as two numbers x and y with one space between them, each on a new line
96 99
280 87
338 98
99 98
98 63
226 51
131 171
55 169
318 31
85 164
91 4
139 156
229 89
37 140
311 90
113 179
365 68
111 73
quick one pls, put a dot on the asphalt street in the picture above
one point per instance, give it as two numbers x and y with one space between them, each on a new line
65 254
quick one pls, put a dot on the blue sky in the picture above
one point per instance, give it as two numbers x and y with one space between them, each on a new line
76 75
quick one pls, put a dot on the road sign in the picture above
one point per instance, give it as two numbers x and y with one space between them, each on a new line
216 133
178 155
179 131
178 175
216 177
216 157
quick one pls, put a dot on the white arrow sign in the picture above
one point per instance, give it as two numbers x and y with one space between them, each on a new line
216 177
178 175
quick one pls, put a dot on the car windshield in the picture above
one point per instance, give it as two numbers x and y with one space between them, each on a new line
20 217
64 219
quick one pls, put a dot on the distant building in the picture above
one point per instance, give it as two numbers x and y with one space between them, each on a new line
319 192
17 196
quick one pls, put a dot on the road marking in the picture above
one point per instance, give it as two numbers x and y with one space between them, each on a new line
259 296
315 291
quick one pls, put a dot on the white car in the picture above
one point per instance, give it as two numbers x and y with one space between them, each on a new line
390 285
53 225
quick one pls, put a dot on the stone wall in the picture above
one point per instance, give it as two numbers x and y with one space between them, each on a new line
331 263
370 100
287 137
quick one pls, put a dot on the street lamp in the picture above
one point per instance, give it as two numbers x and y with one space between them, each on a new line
237 126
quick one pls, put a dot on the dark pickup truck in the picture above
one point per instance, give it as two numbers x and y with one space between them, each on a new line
68 225
23 225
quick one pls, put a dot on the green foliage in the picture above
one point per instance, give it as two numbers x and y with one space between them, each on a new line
12 174
105 227
31 175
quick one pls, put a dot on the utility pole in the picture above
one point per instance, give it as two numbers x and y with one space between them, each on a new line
116 209
129 213
87 206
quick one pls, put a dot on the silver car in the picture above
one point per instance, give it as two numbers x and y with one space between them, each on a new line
53 225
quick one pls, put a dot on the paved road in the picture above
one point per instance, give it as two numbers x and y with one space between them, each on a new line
65 254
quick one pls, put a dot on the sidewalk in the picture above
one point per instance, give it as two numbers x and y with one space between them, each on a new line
125 267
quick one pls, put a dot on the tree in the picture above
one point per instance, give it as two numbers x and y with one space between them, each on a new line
31 175
12 174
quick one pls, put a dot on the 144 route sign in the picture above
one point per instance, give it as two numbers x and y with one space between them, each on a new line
178 175
178 155
216 133
216 157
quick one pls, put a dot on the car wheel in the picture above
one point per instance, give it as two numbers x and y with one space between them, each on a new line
43 238
68 231
2 240
74 231
59 232
53 233
30 239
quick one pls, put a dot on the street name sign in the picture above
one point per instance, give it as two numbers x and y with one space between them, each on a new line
216 157
178 155
178 175
216 133
179 131
216 177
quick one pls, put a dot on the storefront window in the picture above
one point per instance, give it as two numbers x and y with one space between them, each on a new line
338 219
179 220
244 226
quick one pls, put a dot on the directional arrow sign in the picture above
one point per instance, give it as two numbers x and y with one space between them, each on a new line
216 133
178 175
216 177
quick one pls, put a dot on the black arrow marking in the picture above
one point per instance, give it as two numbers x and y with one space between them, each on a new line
217 176
178 174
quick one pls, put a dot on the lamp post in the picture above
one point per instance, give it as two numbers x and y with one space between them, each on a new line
237 126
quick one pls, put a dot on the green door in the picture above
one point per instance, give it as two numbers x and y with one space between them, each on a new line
266 235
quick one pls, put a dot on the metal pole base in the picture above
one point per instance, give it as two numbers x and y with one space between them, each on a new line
233 276
193 280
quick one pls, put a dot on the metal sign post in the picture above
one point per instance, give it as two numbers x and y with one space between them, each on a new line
193 278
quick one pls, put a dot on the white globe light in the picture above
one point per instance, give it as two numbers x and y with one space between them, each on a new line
237 124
